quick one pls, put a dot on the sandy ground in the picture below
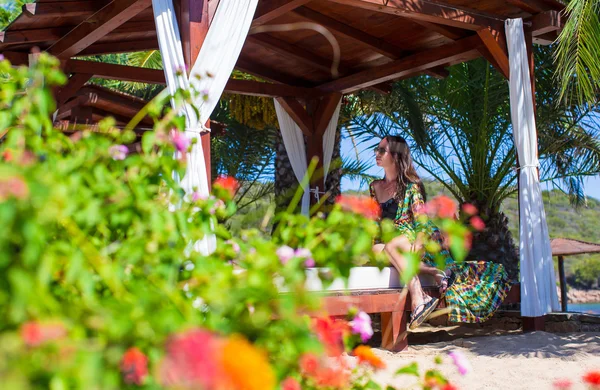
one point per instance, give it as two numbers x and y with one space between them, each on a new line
513 361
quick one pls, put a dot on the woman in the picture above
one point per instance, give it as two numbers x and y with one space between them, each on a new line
473 290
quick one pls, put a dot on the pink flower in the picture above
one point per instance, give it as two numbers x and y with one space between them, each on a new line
562 384
460 361
192 361
118 152
35 334
13 186
477 223
234 246
290 384
180 141
134 366
361 325
469 209
285 254
180 70
1 57
305 254
196 196
309 262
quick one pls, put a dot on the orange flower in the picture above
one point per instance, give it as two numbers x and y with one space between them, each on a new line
592 378
7 155
469 209
134 366
364 205
245 366
365 354
35 334
290 384
228 183
477 223
441 207
309 364
335 377
331 334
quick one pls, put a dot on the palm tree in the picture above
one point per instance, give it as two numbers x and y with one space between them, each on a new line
578 52
461 135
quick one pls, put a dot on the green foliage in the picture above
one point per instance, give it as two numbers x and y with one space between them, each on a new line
587 272
95 259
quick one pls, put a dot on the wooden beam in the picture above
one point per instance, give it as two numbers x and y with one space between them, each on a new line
76 81
439 72
120 47
116 72
546 39
294 52
530 6
81 100
429 11
463 50
97 26
494 51
298 113
194 21
268 74
376 44
545 22
324 112
268 10
61 9
16 58
449 32
256 88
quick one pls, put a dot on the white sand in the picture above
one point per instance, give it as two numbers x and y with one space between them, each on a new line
514 361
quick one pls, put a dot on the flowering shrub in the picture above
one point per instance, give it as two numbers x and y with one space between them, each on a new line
100 287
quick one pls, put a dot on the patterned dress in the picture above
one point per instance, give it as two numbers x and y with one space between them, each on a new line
479 288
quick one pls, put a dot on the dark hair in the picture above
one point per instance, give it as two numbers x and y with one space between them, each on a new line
404 164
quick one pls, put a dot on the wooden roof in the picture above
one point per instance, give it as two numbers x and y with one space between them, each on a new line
378 43
567 246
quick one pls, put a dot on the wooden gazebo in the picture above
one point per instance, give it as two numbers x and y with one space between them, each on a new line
380 41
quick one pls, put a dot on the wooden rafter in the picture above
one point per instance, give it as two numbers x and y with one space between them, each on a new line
298 113
463 50
76 81
494 50
376 44
268 10
120 47
429 11
97 26
60 9
324 112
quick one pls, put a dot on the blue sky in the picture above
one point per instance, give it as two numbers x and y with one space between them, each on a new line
592 185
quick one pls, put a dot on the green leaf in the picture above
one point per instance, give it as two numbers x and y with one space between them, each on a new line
411 369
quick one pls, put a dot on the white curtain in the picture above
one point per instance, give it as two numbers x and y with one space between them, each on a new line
209 75
293 140
329 140
538 282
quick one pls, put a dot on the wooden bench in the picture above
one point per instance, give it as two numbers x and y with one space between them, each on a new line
366 291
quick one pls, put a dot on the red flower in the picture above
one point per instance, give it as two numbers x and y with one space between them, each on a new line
469 209
290 384
331 334
364 205
309 364
35 334
228 183
592 378
441 207
7 155
562 384
332 377
134 366
477 223
192 361
13 186
449 386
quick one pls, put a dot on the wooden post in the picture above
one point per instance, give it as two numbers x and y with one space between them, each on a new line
194 21
563 283
314 148
531 324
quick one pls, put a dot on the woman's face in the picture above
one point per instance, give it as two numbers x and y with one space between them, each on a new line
383 156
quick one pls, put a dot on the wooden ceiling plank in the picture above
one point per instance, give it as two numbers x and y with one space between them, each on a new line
429 11
16 58
294 52
493 48
75 83
268 74
298 113
530 6
31 36
546 39
449 32
268 10
97 26
376 44
60 9
120 47
324 112
463 49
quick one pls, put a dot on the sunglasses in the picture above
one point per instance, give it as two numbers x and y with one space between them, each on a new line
379 150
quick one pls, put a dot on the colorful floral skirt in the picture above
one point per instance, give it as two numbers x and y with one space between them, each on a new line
478 291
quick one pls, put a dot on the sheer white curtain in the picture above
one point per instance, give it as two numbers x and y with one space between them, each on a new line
293 140
538 281
209 75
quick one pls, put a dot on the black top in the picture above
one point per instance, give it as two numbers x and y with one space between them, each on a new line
389 209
